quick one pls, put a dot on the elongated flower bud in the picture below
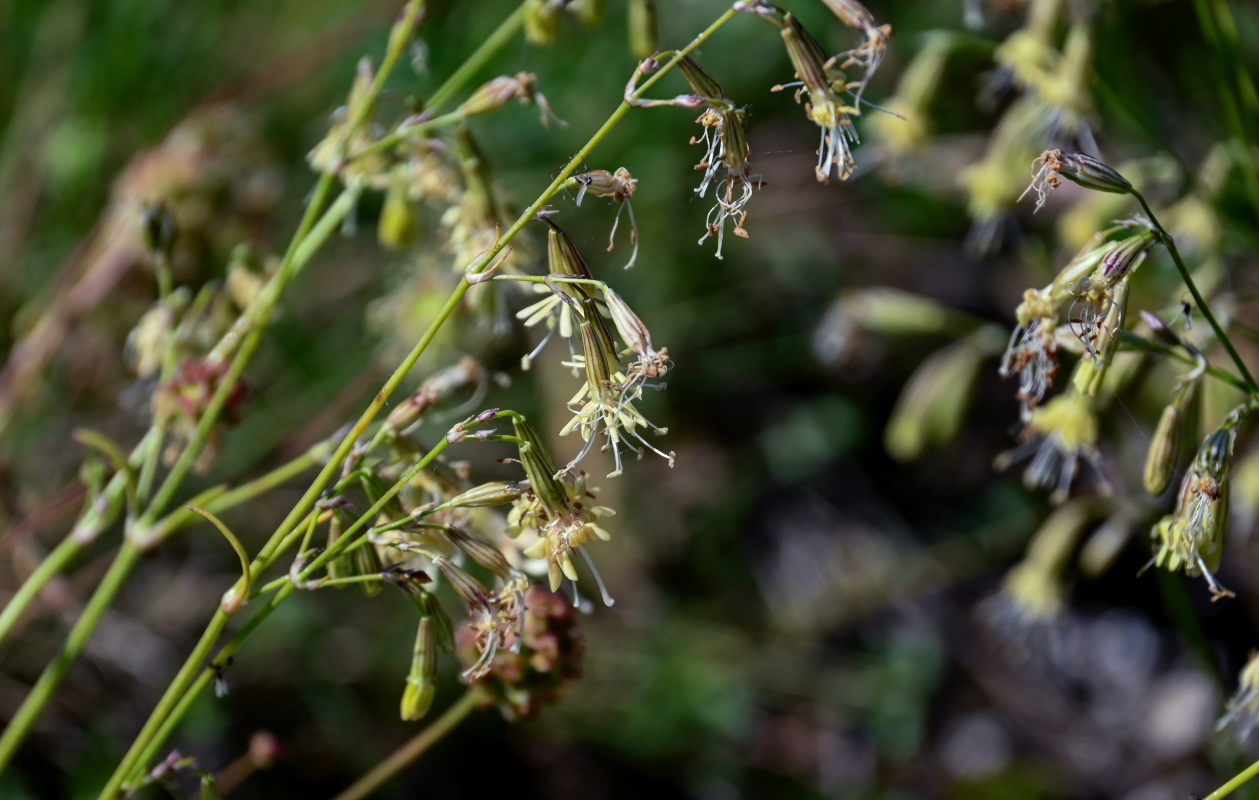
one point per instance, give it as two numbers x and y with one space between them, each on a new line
1078 168
699 80
539 468
469 589
398 220
1125 256
495 493
644 34
542 21
483 554
1160 459
417 696
497 93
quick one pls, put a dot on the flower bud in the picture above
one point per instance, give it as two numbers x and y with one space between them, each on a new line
699 80
467 587
644 35
493 95
495 493
1160 459
539 468
933 402
417 697
484 555
1091 173
159 230
367 562
1125 256
851 13
542 21
398 221
588 12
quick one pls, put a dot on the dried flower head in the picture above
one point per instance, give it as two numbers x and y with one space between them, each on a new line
537 668
1033 349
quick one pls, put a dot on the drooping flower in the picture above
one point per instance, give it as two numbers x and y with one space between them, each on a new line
559 511
1243 706
1059 436
1191 538
820 85
726 146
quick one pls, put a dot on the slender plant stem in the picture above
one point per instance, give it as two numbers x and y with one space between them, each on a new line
99 514
1130 341
1170 243
147 742
489 46
52 564
52 675
128 555
413 749
187 684
1234 783
218 503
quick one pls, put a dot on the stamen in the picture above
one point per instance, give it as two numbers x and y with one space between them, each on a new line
603 591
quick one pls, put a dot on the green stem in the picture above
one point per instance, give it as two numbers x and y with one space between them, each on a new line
1234 783
219 503
52 564
491 45
24 719
183 690
1170 244
410 132
99 514
413 749
1131 341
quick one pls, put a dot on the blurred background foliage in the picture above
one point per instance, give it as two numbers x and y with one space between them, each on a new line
798 614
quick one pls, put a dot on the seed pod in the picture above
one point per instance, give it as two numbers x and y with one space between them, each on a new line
644 35
417 696
398 221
